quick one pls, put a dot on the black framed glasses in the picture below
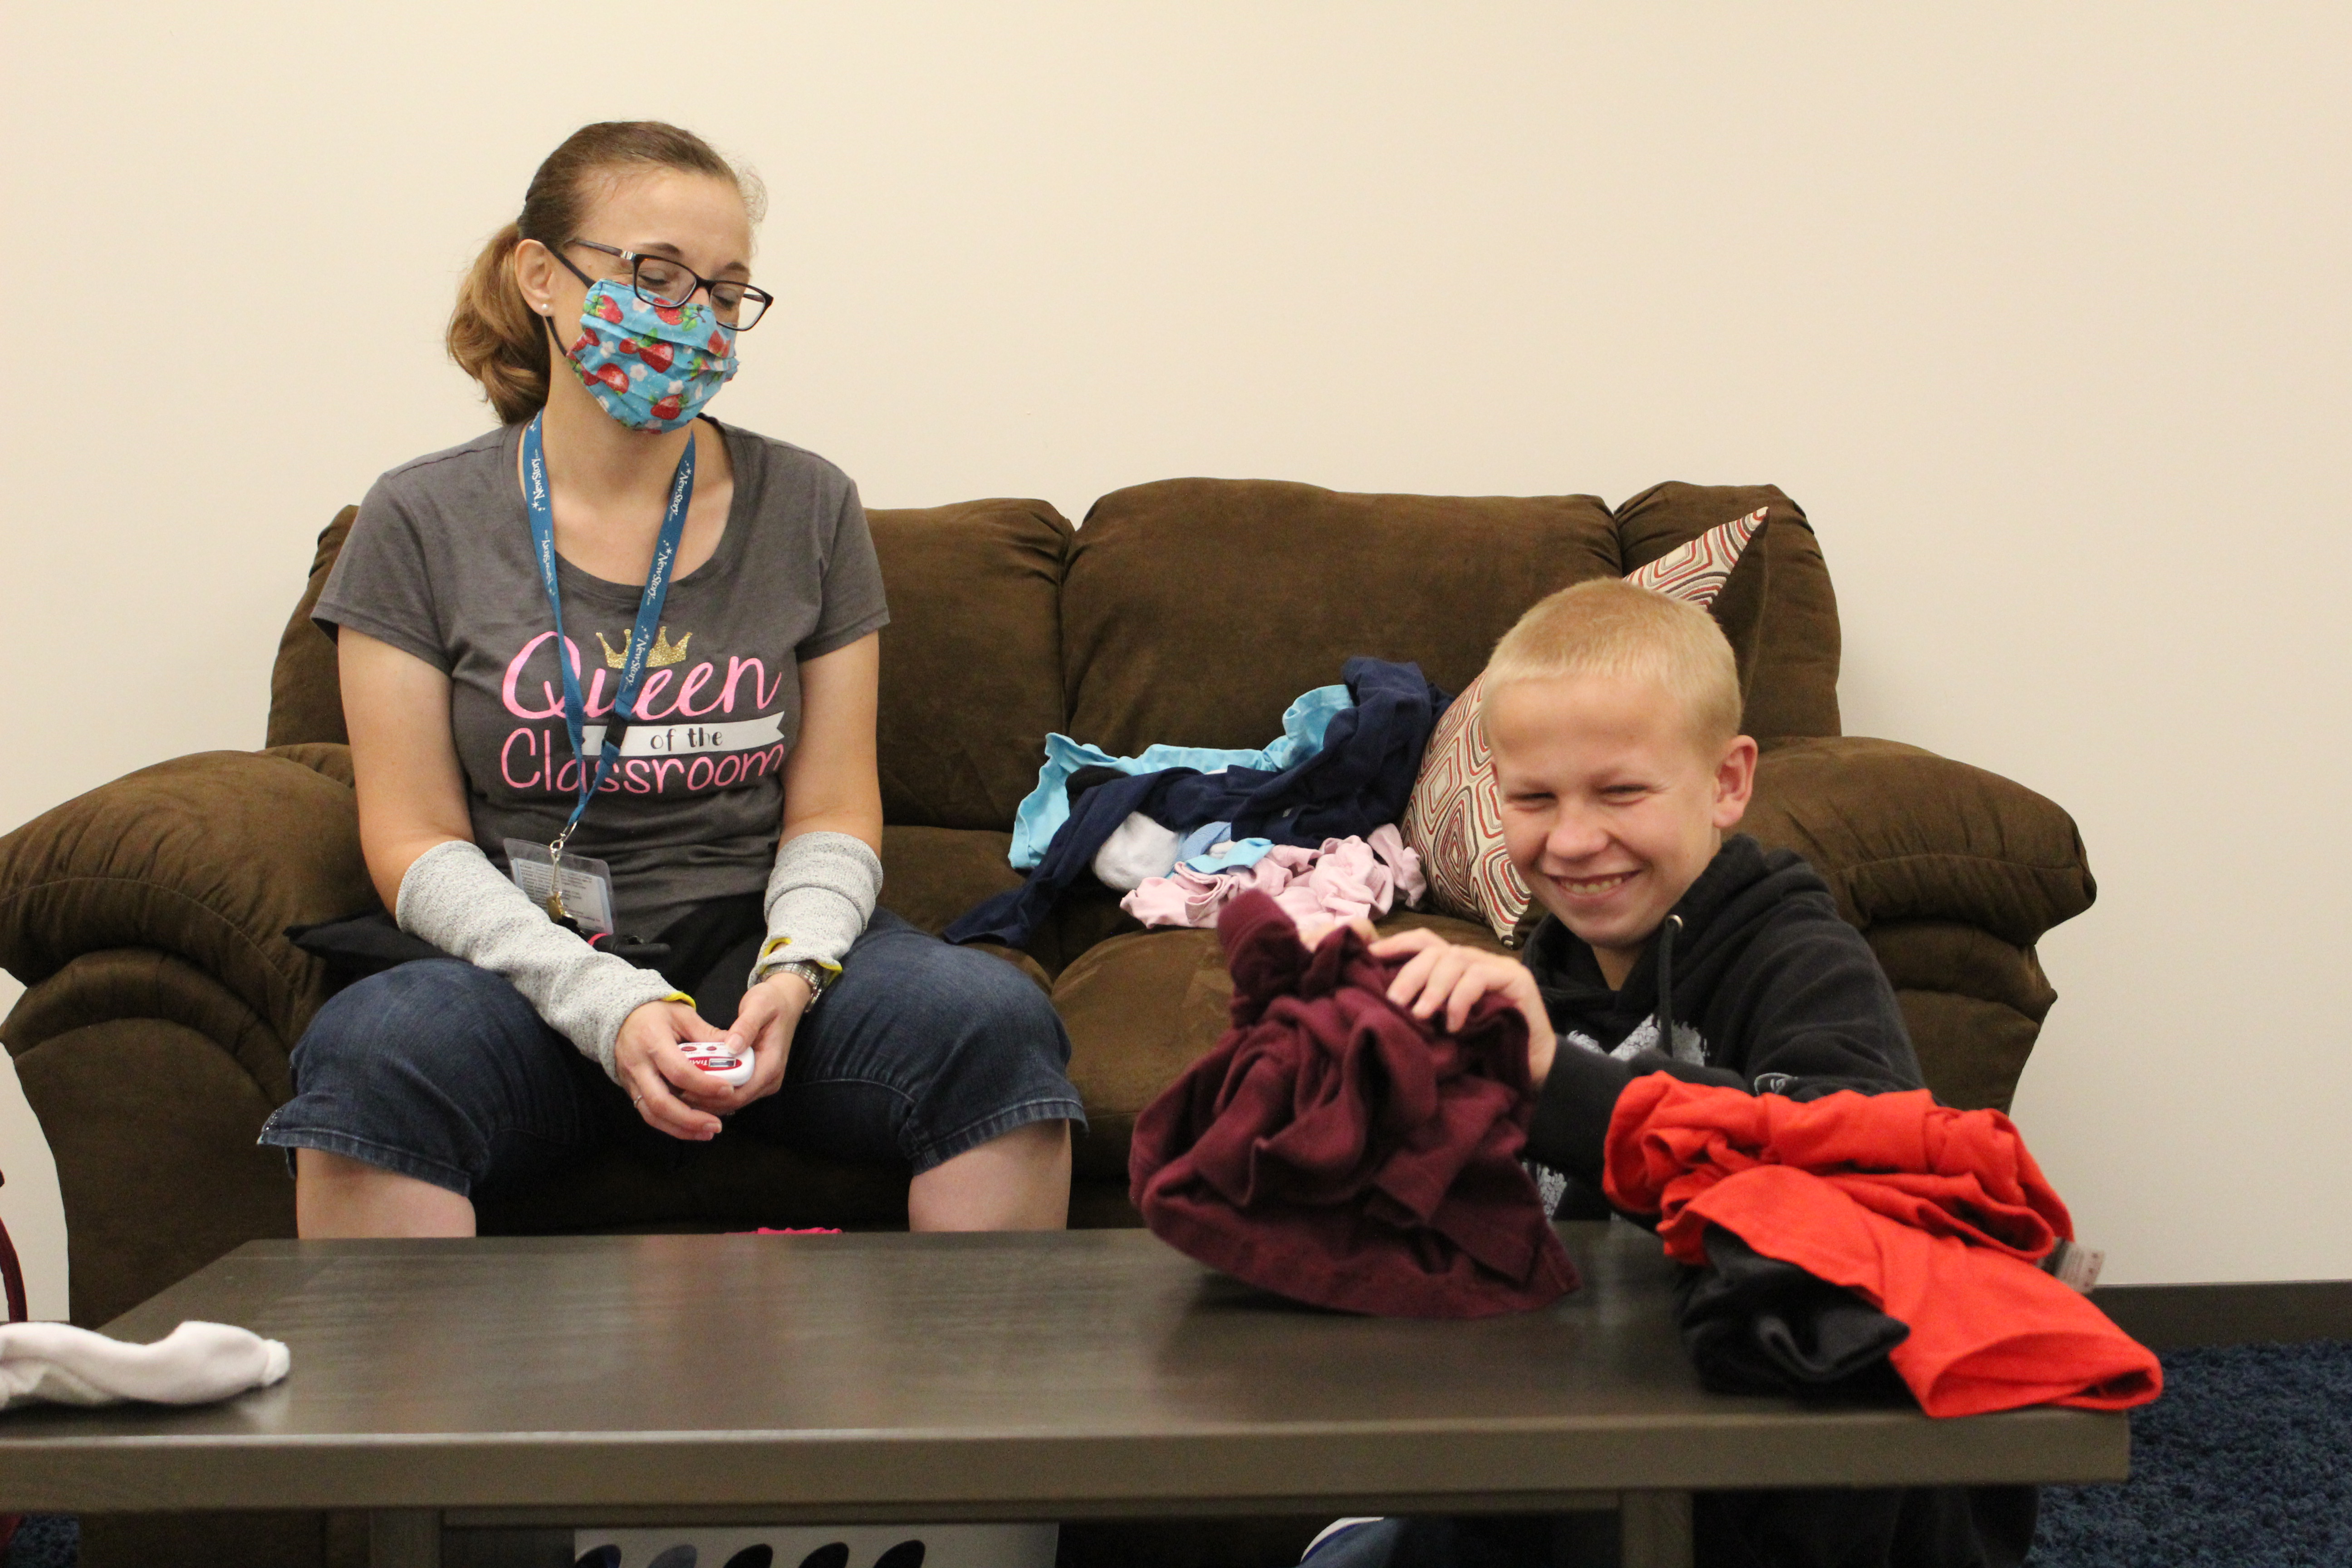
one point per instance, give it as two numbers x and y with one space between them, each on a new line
662 280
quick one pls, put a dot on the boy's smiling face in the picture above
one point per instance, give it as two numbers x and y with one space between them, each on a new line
1612 804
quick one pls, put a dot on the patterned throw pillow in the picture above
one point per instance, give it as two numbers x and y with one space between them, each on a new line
1454 820
1697 571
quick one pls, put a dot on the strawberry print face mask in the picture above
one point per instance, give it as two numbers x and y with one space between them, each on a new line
652 367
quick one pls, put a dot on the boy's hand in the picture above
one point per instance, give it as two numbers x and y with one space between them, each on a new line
1444 974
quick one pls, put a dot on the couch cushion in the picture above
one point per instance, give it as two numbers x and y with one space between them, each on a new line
971 667
208 858
153 1131
930 875
1901 834
305 696
1971 1051
1777 607
1965 959
140 982
1973 1004
1195 610
972 660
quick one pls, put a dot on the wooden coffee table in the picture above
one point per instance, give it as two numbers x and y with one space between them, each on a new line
739 1379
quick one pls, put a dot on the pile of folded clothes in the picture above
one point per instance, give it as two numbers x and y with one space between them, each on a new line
1169 826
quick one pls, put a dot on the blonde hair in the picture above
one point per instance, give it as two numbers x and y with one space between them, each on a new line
494 334
1608 626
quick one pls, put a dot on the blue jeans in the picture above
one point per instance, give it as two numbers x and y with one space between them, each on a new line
442 1071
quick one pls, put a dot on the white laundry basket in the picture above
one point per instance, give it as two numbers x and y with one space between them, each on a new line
822 1546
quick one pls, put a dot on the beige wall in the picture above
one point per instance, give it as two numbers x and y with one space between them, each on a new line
2042 312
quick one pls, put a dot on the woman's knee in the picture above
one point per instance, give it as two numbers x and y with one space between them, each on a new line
1005 1007
964 1040
946 992
1003 1063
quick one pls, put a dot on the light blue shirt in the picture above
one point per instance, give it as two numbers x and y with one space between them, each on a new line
1048 807
1198 851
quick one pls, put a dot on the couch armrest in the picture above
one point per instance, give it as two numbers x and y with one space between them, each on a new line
208 858
1901 834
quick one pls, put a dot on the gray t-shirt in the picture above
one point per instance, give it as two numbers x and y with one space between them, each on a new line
439 564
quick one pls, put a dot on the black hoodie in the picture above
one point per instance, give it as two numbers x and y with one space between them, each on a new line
1762 988
1766 990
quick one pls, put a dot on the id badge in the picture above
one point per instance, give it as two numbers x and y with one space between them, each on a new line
587 884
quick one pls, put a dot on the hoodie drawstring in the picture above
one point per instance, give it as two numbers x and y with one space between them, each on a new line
1672 924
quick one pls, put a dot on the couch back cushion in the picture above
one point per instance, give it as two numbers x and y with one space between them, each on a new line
306 698
1195 610
1777 607
972 660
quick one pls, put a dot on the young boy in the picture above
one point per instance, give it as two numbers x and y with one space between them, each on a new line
1613 716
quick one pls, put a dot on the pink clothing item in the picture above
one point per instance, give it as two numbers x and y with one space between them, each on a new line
790 1230
1344 878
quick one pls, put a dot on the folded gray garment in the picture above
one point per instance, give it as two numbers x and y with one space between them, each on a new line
455 899
196 1363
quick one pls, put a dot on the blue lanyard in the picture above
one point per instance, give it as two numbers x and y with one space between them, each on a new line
649 609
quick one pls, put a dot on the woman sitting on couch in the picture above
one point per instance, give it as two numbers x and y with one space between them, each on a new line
692 760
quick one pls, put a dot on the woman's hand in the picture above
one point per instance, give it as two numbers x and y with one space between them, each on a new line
1444 974
764 1026
679 1099
671 1093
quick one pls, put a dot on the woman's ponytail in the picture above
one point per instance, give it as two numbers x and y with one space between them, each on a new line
495 337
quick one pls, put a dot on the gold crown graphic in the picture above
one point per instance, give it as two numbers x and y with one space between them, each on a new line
664 650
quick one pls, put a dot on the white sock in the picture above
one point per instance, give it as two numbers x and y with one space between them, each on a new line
1136 850
196 1363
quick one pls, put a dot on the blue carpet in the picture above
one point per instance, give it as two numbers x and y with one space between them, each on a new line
45 1540
2246 1462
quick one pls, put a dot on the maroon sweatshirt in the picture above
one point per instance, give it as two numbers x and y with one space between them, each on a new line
1336 1150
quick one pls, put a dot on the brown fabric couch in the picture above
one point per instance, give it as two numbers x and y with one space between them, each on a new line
146 916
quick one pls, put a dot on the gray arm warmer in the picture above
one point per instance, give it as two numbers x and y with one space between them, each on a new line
820 897
455 899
